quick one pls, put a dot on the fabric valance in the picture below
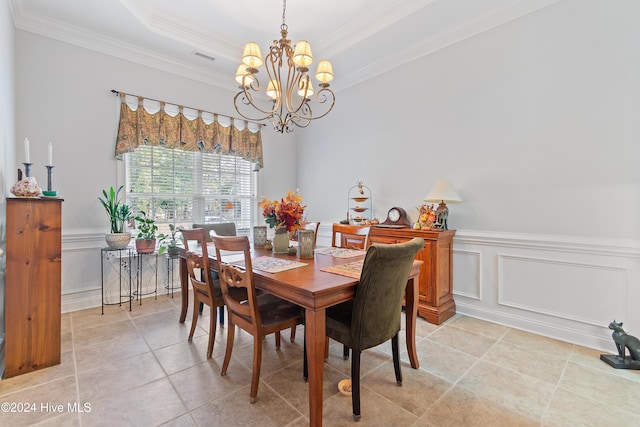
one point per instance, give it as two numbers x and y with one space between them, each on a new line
139 127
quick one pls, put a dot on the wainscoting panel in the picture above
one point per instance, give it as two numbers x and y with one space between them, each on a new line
562 289
467 281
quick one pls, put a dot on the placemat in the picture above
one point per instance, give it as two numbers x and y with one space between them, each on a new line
350 269
272 264
341 252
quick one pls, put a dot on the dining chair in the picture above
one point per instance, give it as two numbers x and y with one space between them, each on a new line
221 229
373 316
351 236
259 315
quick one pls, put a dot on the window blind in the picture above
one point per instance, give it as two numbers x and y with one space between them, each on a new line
184 187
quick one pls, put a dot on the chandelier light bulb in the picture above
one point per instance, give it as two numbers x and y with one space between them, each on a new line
240 76
324 73
302 88
251 56
273 89
302 56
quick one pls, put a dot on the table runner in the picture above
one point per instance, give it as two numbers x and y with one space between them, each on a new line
271 264
350 269
341 252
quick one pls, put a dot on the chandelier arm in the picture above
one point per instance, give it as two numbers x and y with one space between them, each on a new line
325 94
247 99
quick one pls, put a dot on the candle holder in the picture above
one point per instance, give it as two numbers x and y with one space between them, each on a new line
27 169
49 168
50 192
260 236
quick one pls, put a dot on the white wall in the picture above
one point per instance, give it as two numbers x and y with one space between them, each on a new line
7 176
64 97
536 124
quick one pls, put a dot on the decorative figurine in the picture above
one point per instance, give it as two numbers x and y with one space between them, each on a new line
623 342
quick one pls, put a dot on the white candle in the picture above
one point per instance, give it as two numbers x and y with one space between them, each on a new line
26 150
50 154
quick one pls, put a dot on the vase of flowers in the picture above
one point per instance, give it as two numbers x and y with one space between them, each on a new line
284 216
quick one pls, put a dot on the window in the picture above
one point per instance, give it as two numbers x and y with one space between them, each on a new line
184 187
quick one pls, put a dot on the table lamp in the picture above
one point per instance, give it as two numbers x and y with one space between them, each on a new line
442 192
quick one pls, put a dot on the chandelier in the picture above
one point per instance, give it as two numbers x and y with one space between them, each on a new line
289 86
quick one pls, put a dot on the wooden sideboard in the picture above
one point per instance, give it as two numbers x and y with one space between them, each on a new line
33 274
436 302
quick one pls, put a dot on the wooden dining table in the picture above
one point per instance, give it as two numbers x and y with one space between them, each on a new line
315 290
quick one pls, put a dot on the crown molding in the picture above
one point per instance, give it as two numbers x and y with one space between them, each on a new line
463 31
57 30
345 37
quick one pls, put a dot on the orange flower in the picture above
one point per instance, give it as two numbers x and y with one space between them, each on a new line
285 213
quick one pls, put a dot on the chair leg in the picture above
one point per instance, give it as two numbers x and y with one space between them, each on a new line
326 347
305 362
194 318
257 361
212 330
345 352
221 315
278 339
355 384
396 359
292 338
231 330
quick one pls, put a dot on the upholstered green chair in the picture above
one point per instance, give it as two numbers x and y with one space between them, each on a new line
373 316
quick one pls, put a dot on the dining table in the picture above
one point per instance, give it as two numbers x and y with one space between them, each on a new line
314 288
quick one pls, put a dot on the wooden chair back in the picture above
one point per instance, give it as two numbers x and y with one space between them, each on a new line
351 236
246 315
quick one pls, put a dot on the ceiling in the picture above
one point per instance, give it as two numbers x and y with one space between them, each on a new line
362 38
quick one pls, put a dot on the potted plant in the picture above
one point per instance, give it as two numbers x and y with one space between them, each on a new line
119 214
146 237
169 242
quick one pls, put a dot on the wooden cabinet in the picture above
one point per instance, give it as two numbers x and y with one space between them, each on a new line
436 302
33 297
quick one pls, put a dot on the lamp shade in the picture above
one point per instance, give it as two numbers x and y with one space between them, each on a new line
302 88
325 71
302 55
241 72
251 56
442 191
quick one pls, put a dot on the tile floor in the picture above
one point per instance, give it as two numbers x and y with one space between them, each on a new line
137 369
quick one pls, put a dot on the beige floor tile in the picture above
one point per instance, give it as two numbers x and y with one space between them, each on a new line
185 354
273 359
95 335
289 384
602 386
418 392
185 420
40 403
460 407
540 365
269 410
568 408
65 369
478 326
114 378
375 411
468 342
150 305
148 405
203 383
443 361
591 358
93 317
518 392
169 334
371 359
548 345
109 352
